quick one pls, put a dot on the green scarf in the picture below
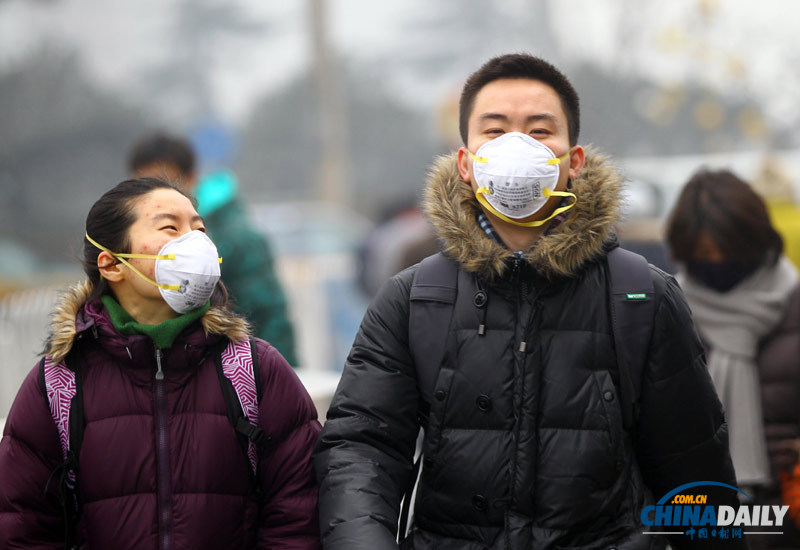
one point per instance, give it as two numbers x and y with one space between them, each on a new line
163 334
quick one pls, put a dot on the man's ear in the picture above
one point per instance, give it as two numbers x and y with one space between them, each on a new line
109 267
463 164
577 160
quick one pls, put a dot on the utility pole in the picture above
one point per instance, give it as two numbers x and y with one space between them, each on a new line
333 184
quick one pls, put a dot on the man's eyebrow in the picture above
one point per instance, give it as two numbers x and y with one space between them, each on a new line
532 118
493 116
542 116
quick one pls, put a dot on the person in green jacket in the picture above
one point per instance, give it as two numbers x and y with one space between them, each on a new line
248 267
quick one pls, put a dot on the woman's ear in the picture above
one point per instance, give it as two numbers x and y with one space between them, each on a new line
108 266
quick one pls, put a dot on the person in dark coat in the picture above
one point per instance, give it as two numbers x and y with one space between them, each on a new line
778 363
525 445
160 466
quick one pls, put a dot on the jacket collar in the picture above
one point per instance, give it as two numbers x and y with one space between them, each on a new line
582 237
74 315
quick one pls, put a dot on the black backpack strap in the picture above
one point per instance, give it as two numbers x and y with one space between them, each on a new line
632 305
256 373
431 304
42 383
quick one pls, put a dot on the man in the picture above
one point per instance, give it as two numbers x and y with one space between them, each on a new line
247 267
525 444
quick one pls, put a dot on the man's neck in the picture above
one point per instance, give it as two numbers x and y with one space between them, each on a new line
516 237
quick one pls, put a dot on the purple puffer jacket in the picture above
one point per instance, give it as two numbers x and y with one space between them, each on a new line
160 466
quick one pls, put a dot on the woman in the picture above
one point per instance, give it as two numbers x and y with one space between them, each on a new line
160 464
739 284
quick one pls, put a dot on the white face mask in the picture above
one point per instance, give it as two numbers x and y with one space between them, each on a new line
516 175
186 270
194 271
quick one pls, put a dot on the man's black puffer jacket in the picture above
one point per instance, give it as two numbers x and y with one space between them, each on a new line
524 449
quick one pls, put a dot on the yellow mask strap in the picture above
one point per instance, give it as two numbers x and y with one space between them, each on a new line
121 258
483 160
479 194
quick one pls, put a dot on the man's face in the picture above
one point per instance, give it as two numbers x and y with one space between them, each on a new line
527 106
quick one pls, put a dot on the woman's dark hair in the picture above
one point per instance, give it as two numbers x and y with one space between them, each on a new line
719 204
108 223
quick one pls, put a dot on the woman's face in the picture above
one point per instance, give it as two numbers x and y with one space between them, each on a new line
162 215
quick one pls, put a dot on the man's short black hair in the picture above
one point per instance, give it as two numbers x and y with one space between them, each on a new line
517 65
160 148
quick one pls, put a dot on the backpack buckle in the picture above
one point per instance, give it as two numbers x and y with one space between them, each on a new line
252 432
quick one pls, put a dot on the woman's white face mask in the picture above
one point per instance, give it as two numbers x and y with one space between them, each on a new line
186 270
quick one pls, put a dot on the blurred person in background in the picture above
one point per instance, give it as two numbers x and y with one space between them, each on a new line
248 269
160 461
401 238
745 302
525 442
642 230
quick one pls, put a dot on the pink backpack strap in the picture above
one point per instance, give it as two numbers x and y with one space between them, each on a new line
60 387
238 367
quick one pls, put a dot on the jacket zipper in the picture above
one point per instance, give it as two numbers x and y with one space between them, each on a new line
515 269
162 457
536 309
521 356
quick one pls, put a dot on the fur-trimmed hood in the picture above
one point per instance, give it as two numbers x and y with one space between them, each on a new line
70 317
589 226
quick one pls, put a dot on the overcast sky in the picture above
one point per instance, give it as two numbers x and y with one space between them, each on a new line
732 46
